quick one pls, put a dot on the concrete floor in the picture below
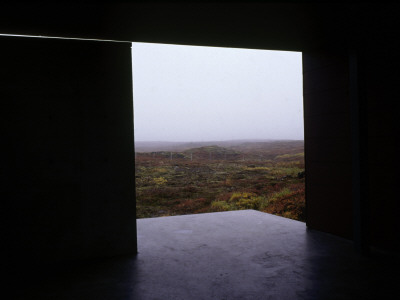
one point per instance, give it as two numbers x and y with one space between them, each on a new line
228 255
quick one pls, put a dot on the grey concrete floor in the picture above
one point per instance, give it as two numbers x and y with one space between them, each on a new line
228 255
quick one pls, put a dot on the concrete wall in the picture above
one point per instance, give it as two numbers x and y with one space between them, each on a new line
328 142
381 66
67 170
332 158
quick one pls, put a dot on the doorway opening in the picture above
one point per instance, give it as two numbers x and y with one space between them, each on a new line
218 129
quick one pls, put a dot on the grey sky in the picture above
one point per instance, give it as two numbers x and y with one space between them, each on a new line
190 93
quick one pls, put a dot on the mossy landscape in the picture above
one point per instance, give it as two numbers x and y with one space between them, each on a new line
177 179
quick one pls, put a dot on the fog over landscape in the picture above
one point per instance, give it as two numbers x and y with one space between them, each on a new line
201 94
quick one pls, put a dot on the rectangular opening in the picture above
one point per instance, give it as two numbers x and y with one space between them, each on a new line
218 129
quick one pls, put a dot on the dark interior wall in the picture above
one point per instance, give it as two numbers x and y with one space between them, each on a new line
328 142
67 173
381 64
337 148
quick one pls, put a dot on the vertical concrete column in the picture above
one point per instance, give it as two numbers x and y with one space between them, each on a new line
327 126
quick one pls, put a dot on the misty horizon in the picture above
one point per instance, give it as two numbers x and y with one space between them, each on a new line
211 141
205 94
151 146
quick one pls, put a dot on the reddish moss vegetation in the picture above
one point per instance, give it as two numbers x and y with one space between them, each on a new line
266 177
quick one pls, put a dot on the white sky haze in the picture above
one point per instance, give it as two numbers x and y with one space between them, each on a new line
191 93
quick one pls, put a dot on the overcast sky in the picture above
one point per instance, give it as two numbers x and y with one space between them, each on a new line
191 93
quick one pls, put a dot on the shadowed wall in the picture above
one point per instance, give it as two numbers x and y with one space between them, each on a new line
327 142
381 64
67 176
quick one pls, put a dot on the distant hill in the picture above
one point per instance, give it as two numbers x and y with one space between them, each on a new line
158 146
213 151
236 145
